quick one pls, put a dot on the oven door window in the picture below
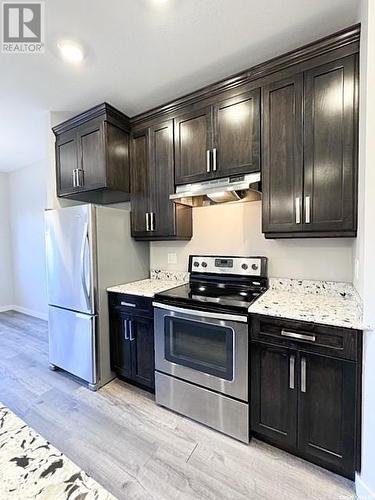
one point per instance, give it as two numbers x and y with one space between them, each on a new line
205 347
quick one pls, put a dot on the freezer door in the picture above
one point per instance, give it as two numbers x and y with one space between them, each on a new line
69 255
72 343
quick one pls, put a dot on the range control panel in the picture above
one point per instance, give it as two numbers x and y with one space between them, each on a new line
241 266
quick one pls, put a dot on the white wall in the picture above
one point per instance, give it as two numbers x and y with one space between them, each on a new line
6 283
24 196
365 247
27 201
235 229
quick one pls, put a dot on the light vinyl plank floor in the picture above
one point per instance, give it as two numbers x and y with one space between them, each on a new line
136 449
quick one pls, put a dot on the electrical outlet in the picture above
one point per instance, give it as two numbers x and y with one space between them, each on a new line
172 258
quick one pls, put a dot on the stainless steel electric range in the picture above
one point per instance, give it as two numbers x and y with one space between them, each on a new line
201 342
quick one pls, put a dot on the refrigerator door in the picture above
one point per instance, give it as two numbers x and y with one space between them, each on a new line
72 343
69 255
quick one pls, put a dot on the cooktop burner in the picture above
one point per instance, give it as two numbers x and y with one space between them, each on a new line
230 283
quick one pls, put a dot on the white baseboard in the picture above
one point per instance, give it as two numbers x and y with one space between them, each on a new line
24 310
5 308
362 490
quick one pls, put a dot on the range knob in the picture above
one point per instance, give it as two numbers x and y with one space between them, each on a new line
245 266
204 264
254 267
196 264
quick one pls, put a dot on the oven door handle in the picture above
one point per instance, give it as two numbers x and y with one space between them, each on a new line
201 314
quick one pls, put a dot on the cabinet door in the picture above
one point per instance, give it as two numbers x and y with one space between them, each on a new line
91 155
237 135
141 332
282 159
121 361
162 179
327 412
330 147
193 142
274 394
117 153
66 162
140 183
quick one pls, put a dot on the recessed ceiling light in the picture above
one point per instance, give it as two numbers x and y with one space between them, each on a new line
71 51
160 2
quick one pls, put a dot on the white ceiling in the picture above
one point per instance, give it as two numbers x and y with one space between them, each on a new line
141 53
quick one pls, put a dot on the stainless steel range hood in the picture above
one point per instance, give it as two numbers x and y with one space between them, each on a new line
229 189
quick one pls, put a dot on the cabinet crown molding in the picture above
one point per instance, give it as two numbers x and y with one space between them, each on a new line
104 110
340 39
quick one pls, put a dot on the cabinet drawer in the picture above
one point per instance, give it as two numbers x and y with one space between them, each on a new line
329 340
135 305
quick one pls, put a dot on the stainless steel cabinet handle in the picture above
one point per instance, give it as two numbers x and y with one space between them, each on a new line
298 210
214 155
147 222
131 330
307 209
126 329
128 304
74 173
152 218
80 177
299 336
292 362
208 160
303 374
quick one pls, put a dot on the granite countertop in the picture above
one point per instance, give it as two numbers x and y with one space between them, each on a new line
160 281
32 468
324 302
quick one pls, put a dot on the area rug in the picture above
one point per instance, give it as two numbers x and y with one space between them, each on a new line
31 468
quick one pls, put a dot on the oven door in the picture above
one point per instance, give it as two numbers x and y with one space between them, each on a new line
204 348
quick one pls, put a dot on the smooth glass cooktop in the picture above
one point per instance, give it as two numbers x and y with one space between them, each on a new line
221 295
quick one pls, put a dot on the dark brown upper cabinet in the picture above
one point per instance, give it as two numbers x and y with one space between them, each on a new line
309 165
153 215
140 183
282 172
330 147
92 156
193 144
219 139
237 134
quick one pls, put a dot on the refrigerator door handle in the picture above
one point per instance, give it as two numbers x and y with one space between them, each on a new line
88 283
85 242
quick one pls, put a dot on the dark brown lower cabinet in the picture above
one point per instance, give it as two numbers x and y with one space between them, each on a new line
273 399
132 347
142 351
305 403
326 408
121 359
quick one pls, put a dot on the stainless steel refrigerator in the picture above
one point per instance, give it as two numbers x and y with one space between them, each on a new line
88 249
